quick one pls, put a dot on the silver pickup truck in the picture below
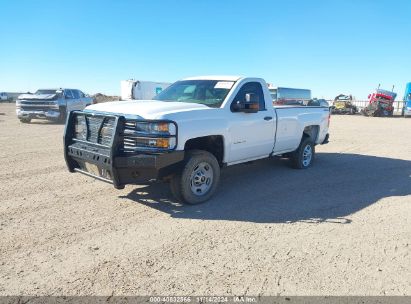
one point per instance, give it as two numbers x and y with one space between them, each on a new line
51 104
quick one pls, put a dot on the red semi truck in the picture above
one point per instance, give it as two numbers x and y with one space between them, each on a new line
380 103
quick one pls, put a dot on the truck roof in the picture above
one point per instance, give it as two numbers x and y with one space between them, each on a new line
54 89
215 77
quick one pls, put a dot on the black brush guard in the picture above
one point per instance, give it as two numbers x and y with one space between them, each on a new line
107 162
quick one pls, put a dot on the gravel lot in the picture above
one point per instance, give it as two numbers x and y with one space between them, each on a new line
341 227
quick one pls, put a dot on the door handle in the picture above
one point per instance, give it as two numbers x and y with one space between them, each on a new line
268 118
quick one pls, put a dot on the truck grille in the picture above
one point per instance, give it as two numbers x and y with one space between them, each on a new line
37 103
35 108
99 129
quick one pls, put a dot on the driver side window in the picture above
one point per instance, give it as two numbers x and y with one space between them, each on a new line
67 94
251 88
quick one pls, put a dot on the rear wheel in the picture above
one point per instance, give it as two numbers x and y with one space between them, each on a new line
303 157
198 180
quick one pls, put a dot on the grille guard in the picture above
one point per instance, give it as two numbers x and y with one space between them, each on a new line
107 160
107 152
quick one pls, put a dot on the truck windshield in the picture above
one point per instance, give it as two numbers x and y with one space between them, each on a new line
207 92
38 92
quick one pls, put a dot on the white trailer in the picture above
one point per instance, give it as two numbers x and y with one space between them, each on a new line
138 89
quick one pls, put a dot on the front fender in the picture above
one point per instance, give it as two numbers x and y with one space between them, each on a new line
200 128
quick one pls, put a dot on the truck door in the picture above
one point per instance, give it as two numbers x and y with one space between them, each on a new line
69 98
84 101
77 101
252 134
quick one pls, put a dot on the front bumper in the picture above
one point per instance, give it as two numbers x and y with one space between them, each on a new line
48 114
109 164
340 110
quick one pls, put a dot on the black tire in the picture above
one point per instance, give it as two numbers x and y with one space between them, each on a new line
200 167
63 115
299 158
25 120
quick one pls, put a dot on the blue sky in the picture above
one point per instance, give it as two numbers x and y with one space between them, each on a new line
330 47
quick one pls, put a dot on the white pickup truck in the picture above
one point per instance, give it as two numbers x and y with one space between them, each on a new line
194 127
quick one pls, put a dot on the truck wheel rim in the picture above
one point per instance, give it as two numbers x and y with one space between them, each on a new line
201 178
307 155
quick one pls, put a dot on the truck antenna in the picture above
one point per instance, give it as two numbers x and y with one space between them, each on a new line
392 88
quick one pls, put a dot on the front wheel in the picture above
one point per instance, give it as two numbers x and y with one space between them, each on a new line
25 120
198 180
303 157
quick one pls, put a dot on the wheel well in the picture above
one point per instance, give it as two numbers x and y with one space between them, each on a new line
213 144
312 132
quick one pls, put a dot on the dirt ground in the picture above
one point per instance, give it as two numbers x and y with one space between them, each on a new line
342 227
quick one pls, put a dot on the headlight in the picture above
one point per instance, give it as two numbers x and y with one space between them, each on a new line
146 135
163 128
80 127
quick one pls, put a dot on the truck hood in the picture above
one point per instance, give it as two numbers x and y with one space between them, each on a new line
147 109
37 96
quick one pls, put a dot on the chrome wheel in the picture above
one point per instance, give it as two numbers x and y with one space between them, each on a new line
307 155
201 179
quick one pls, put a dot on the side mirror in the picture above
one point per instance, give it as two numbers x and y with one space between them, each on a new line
251 104
251 97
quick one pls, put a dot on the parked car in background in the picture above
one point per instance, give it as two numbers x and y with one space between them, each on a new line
141 90
289 96
343 104
51 104
192 129
406 110
3 96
